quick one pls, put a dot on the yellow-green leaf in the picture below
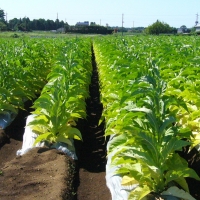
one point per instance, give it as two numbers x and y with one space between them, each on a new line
139 192
127 180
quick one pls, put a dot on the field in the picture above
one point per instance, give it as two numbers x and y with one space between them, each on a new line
127 107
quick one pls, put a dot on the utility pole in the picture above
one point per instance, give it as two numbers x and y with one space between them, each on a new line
197 19
122 22
133 25
25 23
100 22
57 22
6 17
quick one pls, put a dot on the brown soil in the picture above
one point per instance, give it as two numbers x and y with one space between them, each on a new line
92 152
49 174
39 174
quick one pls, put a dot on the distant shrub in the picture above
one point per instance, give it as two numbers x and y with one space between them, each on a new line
15 35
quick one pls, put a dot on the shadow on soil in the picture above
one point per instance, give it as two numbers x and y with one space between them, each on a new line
91 151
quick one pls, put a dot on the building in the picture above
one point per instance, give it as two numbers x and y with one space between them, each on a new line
60 30
197 28
197 25
85 23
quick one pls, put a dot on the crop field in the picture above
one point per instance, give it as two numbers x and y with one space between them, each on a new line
113 117
150 89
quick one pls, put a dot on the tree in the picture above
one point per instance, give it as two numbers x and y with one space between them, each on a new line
3 27
57 22
25 26
92 24
67 27
158 28
49 24
13 24
184 29
2 15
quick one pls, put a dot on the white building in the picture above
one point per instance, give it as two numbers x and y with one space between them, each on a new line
179 30
197 27
85 23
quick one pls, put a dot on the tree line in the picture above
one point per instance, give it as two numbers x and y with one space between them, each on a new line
25 24
160 28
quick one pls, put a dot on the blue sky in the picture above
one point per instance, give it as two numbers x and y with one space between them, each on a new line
136 12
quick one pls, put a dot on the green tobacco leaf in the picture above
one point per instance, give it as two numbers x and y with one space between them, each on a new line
70 132
18 91
37 122
175 161
122 170
139 125
139 192
150 115
9 107
43 102
135 171
168 121
101 120
173 175
117 141
173 145
17 101
149 143
76 115
143 157
183 183
62 138
4 93
195 140
128 181
45 136
135 167
117 152
185 132
72 100
39 129
123 161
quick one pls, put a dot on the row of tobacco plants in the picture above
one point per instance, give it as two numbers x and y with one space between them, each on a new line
57 71
24 67
62 100
150 90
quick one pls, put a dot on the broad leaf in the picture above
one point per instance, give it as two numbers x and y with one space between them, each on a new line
139 192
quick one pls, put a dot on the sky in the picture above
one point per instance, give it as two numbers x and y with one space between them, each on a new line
135 13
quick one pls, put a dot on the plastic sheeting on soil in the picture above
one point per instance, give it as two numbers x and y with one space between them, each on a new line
29 138
113 181
6 118
119 192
